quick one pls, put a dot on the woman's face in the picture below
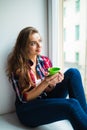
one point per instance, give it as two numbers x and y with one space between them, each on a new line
35 44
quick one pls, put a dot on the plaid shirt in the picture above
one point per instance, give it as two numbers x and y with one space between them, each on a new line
43 63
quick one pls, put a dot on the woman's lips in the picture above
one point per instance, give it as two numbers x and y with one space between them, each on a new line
38 50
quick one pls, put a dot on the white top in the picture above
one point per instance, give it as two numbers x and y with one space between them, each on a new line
38 81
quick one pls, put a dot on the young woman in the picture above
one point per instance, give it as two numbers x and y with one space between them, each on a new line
41 99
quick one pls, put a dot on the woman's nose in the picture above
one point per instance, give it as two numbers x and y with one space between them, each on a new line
39 45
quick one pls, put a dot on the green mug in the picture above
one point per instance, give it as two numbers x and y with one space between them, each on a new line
53 70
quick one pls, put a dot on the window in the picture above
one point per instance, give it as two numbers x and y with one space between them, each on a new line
77 5
74 48
55 28
77 32
68 53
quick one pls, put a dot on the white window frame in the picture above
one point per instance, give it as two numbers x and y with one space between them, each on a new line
55 32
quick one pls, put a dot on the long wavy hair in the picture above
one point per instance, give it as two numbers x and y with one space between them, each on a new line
17 61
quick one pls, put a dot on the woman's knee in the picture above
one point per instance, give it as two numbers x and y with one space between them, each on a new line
73 71
73 104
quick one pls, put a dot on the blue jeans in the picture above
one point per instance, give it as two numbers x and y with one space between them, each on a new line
55 106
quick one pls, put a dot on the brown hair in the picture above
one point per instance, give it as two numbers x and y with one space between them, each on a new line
17 59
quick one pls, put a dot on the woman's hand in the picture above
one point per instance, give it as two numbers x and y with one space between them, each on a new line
60 77
53 80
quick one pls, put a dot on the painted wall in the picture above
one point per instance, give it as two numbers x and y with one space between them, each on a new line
15 15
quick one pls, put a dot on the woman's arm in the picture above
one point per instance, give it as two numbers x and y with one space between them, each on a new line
52 85
36 91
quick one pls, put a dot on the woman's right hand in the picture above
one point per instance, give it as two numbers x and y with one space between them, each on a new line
52 79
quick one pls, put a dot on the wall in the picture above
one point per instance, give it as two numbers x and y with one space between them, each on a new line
15 15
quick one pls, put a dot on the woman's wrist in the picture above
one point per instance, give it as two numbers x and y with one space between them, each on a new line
46 83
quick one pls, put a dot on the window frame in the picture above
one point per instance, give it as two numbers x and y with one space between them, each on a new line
55 29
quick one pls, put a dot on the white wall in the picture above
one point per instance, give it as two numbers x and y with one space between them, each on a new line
15 15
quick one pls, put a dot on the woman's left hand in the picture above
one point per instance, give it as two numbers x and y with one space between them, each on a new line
60 77
56 80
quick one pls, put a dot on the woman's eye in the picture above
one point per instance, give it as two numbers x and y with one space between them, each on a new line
32 43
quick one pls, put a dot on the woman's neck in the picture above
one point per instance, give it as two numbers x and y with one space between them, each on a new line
33 67
33 59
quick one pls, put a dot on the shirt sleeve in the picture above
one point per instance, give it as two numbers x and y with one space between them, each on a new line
17 88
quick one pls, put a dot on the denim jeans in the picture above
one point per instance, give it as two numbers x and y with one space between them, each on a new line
55 106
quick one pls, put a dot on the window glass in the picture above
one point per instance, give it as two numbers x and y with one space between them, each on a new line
72 42
75 45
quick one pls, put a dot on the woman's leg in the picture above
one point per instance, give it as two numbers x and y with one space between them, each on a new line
75 87
71 84
44 111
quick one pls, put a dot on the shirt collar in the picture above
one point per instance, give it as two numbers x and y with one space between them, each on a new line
39 60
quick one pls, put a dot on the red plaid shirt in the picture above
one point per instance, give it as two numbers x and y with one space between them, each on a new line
43 63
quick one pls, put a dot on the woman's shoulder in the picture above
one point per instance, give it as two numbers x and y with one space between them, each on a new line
46 60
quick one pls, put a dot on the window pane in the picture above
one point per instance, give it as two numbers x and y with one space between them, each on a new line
75 48
72 44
